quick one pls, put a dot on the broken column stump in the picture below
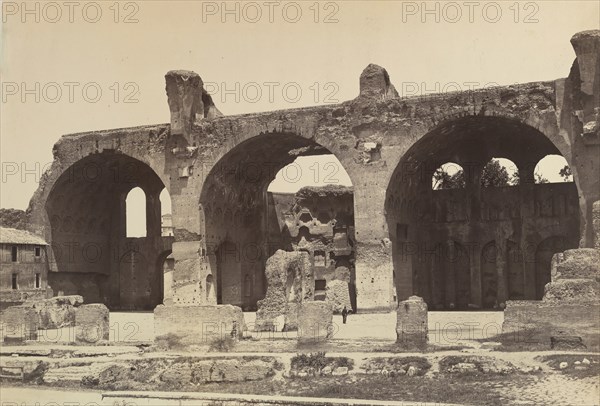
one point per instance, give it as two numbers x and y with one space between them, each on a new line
92 324
198 325
315 321
411 323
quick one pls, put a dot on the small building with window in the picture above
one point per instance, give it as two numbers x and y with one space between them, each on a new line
24 267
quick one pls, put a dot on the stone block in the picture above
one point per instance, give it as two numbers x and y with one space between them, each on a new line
411 322
92 324
19 324
572 290
56 312
198 324
315 321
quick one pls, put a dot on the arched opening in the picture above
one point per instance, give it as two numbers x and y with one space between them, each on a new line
427 214
499 172
448 176
286 192
89 204
135 213
552 169
166 220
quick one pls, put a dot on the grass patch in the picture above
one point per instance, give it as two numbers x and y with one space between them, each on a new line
580 370
222 344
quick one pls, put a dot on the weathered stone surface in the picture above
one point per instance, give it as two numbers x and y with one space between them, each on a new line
338 295
188 101
375 82
578 263
596 224
56 312
19 323
566 342
411 322
587 47
92 324
289 282
572 291
198 324
315 321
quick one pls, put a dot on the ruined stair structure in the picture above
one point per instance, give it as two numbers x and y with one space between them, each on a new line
568 316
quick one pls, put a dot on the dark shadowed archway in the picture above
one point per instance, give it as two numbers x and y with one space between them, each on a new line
507 210
240 218
93 255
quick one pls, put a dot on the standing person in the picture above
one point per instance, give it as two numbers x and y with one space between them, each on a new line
344 314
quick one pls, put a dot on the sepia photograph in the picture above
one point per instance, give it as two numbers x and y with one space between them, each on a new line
300 203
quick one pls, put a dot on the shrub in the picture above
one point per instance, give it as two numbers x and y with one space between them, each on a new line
316 361
222 344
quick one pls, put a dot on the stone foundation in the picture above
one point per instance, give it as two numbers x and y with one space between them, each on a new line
198 324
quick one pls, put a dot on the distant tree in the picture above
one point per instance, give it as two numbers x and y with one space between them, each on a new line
566 173
443 180
496 175
540 179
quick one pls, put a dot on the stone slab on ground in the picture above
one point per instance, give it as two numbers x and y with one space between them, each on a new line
315 321
411 322
92 324
198 324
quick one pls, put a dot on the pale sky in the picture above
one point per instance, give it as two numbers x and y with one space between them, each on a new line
304 63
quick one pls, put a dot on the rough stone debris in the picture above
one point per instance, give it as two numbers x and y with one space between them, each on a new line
198 325
92 324
56 312
388 145
411 323
289 282
315 321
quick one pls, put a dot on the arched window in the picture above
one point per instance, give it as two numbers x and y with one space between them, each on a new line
500 172
310 170
552 169
166 221
448 176
135 213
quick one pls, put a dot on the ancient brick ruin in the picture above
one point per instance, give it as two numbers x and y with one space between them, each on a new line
392 237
